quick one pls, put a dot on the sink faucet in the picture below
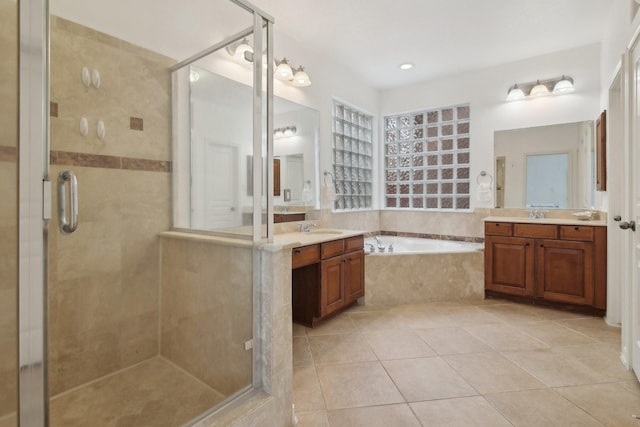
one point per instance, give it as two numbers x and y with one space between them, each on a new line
306 227
536 214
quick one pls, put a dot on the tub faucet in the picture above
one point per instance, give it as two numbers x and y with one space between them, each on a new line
380 245
306 227
372 248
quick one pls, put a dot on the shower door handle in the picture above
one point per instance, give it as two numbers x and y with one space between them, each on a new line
70 225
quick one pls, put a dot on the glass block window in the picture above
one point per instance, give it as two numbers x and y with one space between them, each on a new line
352 157
427 159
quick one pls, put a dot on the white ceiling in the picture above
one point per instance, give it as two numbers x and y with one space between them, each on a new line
370 37
373 37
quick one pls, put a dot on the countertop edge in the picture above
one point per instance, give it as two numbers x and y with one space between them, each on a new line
548 221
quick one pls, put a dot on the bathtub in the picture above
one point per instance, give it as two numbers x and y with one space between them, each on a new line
423 270
417 245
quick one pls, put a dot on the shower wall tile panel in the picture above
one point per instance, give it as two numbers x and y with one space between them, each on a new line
205 318
104 278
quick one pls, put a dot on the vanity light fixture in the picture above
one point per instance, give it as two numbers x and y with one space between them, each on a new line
283 70
539 88
515 93
285 132
565 85
301 78
241 50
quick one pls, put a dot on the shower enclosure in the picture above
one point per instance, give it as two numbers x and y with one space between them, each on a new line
112 329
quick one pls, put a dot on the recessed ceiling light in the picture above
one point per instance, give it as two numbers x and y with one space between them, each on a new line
406 66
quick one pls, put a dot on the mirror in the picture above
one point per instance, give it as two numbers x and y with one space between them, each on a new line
219 125
545 167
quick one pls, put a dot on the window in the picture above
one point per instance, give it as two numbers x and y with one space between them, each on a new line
427 159
352 157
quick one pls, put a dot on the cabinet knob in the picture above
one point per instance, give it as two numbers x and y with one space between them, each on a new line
541 245
298 251
526 244
497 225
576 228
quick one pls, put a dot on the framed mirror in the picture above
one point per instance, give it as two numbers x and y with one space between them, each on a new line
546 167
219 134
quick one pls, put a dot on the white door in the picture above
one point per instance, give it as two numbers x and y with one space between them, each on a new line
214 192
633 315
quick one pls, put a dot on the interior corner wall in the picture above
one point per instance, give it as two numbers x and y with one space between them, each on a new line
330 79
622 24
486 91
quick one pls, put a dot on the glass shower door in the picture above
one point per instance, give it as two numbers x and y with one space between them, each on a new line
133 340
8 213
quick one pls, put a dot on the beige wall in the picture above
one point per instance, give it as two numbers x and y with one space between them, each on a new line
438 224
206 310
103 279
8 205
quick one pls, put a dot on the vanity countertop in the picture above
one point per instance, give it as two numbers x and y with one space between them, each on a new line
297 239
553 221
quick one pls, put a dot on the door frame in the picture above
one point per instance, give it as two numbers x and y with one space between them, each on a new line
34 211
631 291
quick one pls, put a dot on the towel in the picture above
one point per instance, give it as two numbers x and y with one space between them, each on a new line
329 193
484 192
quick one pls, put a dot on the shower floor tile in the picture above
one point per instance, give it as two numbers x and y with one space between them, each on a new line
152 393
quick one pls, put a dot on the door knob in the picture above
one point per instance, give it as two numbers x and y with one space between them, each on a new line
628 225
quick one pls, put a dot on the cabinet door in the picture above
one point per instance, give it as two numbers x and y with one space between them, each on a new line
564 271
509 265
332 295
354 276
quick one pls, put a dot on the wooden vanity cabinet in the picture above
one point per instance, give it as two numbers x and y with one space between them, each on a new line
333 282
560 265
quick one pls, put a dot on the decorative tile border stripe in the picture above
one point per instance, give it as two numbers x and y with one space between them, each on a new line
470 239
8 154
108 162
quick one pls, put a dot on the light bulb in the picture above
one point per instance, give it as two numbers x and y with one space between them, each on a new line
301 78
515 94
539 90
243 47
565 85
284 71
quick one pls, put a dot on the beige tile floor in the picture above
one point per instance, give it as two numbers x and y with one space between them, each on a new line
492 363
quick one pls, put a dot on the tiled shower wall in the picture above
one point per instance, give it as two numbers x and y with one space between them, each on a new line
8 205
103 279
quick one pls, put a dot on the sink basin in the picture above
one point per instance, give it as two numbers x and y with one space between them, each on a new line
325 231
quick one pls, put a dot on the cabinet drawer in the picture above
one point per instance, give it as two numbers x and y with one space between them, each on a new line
536 231
498 228
331 249
576 232
353 243
305 255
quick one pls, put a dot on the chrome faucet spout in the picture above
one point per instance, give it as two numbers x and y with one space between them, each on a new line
306 227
